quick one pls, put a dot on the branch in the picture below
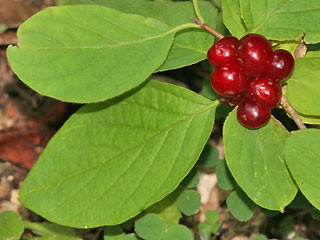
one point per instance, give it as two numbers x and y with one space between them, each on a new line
207 28
292 112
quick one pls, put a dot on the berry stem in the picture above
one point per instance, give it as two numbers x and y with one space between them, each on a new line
197 10
207 28
292 112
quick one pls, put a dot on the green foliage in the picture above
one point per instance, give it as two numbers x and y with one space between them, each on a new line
192 179
209 156
302 156
275 19
282 20
52 231
212 216
232 17
240 205
256 161
189 46
178 232
304 86
116 233
11 225
167 208
150 227
189 202
225 179
63 61
260 237
119 156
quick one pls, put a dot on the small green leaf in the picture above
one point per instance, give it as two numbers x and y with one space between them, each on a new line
150 227
52 231
3 27
256 161
282 19
113 233
260 237
215 228
110 161
189 46
212 216
302 156
192 179
232 17
178 232
209 156
101 54
240 205
167 208
11 225
304 86
225 179
204 229
189 202
286 225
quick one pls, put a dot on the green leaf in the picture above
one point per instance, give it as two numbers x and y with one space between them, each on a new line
178 232
192 179
113 233
215 228
189 202
52 231
209 156
309 119
150 227
88 53
204 230
189 46
260 237
304 86
212 216
302 156
240 205
232 18
11 225
167 208
256 161
225 179
112 160
283 19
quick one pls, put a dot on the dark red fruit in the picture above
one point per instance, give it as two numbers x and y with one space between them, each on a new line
223 51
228 80
280 66
254 53
264 91
252 115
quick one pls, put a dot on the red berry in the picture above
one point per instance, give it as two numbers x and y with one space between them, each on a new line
223 51
264 91
228 80
252 115
254 53
280 66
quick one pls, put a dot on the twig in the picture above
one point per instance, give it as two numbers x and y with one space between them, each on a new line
292 112
207 28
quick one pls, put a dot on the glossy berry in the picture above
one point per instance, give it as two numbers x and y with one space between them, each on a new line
254 53
280 65
264 91
228 80
252 115
223 51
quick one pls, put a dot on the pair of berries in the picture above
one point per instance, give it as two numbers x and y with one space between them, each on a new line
248 73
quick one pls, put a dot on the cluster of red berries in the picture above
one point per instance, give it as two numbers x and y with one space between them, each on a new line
248 73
